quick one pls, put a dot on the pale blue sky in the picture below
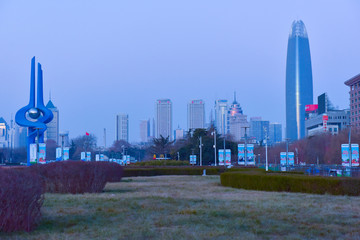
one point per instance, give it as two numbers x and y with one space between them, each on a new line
104 57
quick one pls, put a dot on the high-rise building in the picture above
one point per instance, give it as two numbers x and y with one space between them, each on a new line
237 121
354 84
4 133
258 128
20 137
275 133
122 127
196 114
299 83
144 131
179 133
164 118
221 116
52 131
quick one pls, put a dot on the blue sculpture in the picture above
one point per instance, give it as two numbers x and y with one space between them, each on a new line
34 118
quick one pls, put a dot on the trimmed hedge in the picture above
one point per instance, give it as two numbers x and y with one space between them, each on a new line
21 197
78 176
135 172
162 163
291 183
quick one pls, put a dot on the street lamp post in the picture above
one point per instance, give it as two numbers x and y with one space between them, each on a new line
214 133
350 150
200 146
287 152
245 150
266 148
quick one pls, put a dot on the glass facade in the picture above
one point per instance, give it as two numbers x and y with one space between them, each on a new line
299 83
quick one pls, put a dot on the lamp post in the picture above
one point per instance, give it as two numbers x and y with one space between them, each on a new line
214 133
287 152
245 151
200 146
266 148
350 150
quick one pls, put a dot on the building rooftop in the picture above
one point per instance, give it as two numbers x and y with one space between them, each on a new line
298 29
353 80
50 104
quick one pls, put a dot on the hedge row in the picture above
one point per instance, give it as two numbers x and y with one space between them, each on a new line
135 172
21 197
78 176
162 163
291 183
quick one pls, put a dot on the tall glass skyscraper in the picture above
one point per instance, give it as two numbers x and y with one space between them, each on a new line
299 83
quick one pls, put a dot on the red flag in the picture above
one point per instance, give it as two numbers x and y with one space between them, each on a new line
87 134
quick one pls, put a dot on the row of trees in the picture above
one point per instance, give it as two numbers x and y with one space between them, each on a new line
324 148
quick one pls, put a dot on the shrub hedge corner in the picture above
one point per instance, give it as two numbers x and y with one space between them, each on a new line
291 183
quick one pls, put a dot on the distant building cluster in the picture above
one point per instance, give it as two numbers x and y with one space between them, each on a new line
228 119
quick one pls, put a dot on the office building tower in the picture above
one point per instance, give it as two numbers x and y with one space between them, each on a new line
122 127
4 133
275 133
196 114
20 137
237 121
221 116
354 84
258 128
52 131
164 118
299 83
179 134
144 131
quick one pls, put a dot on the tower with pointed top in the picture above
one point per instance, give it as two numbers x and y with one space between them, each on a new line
52 131
299 83
237 121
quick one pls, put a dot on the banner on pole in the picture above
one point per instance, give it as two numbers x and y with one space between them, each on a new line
58 154
221 157
33 151
291 158
83 156
97 157
345 155
88 156
227 157
42 153
102 157
66 153
192 159
355 155
241 154
250 154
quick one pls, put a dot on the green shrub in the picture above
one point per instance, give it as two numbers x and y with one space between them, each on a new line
253 180
134 172
162 163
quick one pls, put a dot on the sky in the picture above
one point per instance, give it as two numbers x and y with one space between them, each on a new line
101 58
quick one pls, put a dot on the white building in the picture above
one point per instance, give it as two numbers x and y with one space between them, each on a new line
221 116
52 131
196 114
4 134
179 133
144 130
164 118
122 127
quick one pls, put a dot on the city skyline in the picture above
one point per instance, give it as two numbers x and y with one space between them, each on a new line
95 67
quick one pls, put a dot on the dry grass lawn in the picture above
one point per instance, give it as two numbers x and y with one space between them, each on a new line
194 207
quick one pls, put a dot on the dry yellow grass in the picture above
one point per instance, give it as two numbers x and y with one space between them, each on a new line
194 207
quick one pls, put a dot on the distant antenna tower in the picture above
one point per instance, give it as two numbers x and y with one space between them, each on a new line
105 137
